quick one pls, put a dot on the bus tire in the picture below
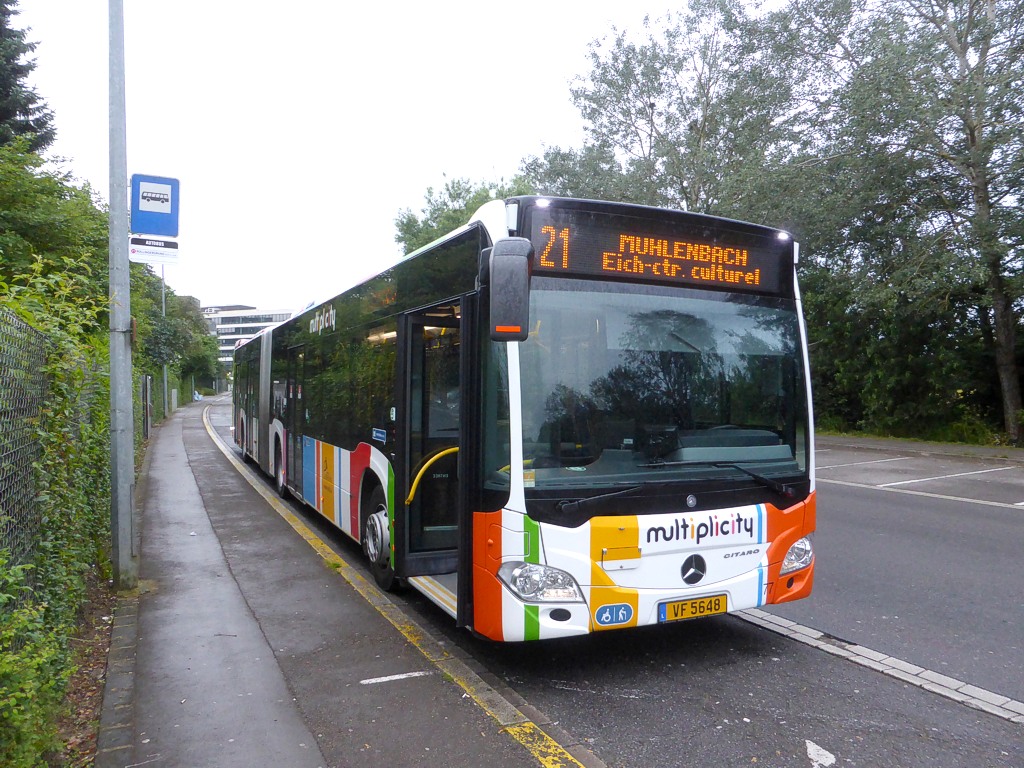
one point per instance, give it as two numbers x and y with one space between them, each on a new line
376 540
243 444
279 479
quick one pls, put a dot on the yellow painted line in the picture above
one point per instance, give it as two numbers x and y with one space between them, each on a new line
548 752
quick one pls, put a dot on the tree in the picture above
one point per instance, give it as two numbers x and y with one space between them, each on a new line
199 349
22 112
591 172
674 119
44 215
917 103
887 136
449 209
49 228
179 339
967 121
200 360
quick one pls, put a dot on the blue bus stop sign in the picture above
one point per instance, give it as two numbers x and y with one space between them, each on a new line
154 209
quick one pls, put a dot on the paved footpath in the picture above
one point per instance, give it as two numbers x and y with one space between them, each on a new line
245 648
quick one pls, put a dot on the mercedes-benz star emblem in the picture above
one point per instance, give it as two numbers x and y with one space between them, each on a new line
694 569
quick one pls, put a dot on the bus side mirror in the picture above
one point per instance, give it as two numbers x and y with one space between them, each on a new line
508 282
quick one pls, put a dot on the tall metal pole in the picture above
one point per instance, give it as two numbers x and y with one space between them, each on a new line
122 459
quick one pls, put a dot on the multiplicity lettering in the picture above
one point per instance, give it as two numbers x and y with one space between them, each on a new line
697 529
324 319
677 259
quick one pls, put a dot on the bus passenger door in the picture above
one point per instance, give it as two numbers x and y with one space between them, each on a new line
294 418
429 470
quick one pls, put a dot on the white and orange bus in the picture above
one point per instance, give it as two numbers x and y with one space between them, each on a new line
566 416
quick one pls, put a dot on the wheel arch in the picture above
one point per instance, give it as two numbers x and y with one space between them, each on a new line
276 440
377 473
243 438
368 483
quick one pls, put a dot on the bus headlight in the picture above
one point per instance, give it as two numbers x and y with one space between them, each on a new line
799 556
540 583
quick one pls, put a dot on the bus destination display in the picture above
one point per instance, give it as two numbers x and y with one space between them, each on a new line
584 243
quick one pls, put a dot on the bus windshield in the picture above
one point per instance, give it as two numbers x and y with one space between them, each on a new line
624 384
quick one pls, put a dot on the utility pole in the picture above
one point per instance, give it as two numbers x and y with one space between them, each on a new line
122 426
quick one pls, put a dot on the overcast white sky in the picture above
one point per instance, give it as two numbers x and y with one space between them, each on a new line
298 130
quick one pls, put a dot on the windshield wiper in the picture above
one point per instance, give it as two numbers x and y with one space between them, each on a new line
572 506
767 482
774 485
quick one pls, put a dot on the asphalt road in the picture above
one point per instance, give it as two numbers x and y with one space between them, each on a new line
909 564
723 692
918 558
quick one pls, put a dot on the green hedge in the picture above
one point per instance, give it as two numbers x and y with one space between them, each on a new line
40 602
34 671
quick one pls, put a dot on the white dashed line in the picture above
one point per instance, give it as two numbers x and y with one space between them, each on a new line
949 687
392 678
820 758
944 477
923 494
862 463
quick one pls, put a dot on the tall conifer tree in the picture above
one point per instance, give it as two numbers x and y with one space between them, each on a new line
22 112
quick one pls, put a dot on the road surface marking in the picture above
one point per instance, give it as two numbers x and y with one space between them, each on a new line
944 477
861 463
393 678
949 687
820 758
925 494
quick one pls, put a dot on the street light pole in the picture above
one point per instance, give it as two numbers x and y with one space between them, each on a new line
122 460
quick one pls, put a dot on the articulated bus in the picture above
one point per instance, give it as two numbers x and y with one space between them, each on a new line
566 416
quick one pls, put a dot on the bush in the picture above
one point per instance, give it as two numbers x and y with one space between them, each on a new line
33 672
39 617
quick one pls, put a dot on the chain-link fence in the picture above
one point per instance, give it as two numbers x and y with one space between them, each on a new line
22 390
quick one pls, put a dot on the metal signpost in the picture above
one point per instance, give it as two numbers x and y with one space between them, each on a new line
124 554
154 212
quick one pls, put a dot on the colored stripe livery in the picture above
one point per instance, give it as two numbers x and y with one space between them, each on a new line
332 477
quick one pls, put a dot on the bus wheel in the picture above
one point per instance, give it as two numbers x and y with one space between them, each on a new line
282 488
377 540
243 445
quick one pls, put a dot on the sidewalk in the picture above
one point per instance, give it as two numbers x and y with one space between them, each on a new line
242 648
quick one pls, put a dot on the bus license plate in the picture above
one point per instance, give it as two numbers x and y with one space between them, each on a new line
678 610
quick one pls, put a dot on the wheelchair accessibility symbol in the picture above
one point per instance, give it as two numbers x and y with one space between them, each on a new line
611 615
